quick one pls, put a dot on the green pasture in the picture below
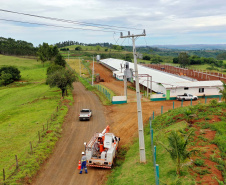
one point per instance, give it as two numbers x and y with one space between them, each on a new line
90 48
25 107
77 66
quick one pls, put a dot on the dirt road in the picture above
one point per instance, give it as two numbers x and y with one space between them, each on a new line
61 169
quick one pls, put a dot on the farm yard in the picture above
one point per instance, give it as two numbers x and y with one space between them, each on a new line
123 122
112 93
61 167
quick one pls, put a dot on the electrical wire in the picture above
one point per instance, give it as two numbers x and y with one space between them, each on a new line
104 26
51 25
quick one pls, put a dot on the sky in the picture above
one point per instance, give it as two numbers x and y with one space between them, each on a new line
166 22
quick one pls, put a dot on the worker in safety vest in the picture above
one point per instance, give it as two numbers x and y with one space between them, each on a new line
84 159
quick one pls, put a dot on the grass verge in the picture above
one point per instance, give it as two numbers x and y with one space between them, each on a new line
28 117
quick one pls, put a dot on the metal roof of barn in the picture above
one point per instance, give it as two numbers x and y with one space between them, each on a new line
215 83
158 77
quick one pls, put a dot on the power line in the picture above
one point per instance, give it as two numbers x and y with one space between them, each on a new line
105 26
51 25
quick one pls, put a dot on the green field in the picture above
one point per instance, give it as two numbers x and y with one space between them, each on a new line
26 106
90 48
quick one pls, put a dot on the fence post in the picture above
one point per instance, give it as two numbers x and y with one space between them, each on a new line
39 138
191 101
16 162
150 122
182 103
153 115
173 104
161 109
157 174
220 98
155 154
3 175
205 100
31 147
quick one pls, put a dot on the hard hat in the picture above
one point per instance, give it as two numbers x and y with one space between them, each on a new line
83 153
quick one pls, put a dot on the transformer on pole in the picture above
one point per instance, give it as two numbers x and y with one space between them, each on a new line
139 108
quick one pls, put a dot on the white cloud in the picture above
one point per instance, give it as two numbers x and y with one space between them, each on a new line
160 18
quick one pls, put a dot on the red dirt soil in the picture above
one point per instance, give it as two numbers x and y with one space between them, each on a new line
208 151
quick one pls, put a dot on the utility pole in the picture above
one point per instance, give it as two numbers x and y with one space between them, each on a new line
139 108
79 67
68 55
125 86
93 71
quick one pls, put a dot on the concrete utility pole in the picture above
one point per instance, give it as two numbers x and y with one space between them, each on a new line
79 67
139 108
125 86
93 71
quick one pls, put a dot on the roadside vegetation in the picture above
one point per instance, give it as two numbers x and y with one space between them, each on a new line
31 114
86 79
207 130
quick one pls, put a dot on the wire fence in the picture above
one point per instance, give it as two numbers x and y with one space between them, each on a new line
107 94
18 161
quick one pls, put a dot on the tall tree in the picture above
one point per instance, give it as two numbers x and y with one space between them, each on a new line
62 79
59 60
43 52
183 59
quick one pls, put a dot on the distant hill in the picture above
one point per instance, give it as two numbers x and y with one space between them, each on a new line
193 47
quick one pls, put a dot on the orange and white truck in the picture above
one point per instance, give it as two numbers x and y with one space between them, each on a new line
101 150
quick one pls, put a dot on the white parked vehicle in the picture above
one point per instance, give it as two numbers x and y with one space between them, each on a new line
186 97
85 114
102 149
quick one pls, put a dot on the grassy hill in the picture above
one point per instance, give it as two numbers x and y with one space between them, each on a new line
208 166
25 108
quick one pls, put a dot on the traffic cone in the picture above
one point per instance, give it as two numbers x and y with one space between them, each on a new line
79 165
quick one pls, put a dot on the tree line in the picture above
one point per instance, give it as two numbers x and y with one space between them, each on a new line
69 43
184 59
9 46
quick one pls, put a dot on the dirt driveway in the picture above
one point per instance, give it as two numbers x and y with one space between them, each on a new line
61 169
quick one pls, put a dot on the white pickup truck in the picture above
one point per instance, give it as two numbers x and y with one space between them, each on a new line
85 114
186 97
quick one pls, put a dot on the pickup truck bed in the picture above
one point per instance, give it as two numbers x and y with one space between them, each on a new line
85 114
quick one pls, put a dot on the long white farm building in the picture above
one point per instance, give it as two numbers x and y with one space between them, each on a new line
166 85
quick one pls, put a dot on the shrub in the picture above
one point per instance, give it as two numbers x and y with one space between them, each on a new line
78 48
213 102
199 162
14 71
9 74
